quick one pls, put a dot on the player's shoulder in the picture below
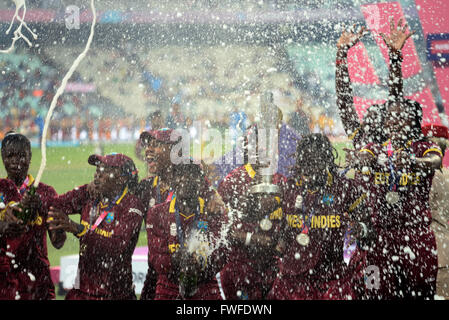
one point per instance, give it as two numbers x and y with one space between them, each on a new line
132 201
158 211
8 191
234 176
279 178
6 184
45 189
423 147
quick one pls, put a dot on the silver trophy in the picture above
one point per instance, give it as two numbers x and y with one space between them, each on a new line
267 146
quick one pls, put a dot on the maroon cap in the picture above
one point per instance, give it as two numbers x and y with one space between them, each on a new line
110 160
161 135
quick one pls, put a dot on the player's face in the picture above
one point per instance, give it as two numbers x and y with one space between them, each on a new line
157 122
157 156
16 161
108 180
399 122
186 188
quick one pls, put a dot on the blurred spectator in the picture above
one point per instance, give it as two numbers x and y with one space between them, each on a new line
298 119
238 122
155 120
175 119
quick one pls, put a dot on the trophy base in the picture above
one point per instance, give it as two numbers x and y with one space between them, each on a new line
265 188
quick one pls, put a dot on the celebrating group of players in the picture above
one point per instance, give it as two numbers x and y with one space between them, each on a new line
316 238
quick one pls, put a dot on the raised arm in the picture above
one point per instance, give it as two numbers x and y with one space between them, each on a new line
345 96
395 41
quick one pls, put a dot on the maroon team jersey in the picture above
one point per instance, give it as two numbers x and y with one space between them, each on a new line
234 192
31 266
151 193
248 272
405 249
106 246
8 193
412 187
163 241
313 261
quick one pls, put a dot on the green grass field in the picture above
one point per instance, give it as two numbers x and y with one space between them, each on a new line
67 168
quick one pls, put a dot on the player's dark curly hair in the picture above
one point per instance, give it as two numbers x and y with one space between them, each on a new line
315 147
17 140
374 120
190 169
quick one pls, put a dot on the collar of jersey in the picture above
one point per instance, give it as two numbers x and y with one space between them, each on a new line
172 207
102 206
155 181
250 170
408 144
30 179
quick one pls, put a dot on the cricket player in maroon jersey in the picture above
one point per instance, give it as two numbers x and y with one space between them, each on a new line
317 241
254 234
154 189
8 229
399 179
183 240
111 217
28 271
371 129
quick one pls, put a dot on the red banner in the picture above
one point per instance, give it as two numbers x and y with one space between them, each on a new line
361 104
377 18
360 68
429 108
434 16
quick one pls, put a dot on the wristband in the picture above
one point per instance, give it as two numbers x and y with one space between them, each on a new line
4 208
248 238
81 230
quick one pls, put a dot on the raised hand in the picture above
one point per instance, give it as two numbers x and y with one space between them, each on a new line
58 220
349 38
32 202
398 35
12 226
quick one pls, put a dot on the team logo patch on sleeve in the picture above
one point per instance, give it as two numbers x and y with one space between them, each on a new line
110 217
136 211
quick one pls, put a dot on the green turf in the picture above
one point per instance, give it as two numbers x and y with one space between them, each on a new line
67 168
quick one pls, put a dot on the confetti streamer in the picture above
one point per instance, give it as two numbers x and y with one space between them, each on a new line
18 32
59 92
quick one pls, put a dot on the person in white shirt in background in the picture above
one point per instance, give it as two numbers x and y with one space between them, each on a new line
439 203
